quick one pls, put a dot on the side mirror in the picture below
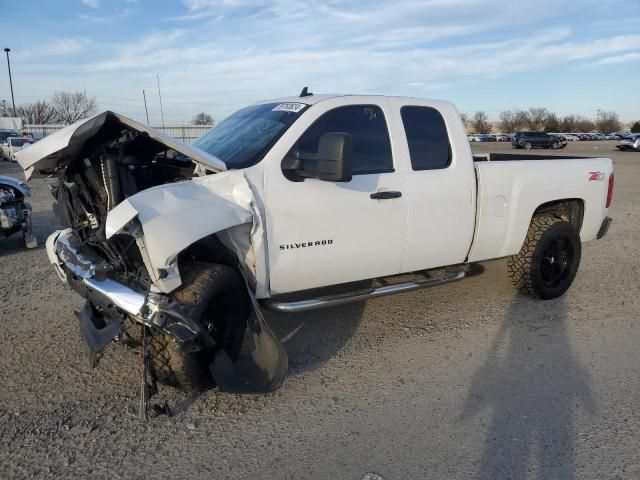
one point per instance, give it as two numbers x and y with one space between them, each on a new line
335 153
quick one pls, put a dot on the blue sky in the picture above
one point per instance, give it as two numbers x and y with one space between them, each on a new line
219 55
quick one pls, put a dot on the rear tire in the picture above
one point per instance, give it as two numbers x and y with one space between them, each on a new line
549 259
528 146
217 298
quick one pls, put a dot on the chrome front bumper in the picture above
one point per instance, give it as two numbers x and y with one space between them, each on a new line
91 272
63 251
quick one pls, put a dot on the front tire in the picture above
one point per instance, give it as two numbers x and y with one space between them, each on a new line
217 298
549 259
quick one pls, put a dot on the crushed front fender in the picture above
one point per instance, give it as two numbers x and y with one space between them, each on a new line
261 365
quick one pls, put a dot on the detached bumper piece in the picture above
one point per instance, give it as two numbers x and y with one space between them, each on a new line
95 333
604 228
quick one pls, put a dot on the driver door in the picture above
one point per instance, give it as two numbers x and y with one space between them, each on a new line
325 233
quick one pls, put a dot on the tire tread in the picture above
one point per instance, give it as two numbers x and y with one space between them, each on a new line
520 264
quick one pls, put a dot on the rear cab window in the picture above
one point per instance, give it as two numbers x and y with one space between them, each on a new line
427 138
368 129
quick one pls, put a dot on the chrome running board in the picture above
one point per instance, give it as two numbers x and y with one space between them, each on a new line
359 295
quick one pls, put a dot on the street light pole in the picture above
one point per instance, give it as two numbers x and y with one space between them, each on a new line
13 101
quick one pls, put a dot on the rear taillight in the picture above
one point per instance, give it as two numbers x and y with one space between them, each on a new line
610 191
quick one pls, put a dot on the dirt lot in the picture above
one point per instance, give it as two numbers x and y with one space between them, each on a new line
470 380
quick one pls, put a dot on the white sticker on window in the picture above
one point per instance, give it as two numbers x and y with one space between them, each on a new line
289 107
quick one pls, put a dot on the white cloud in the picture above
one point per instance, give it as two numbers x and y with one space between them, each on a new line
628 57
230 56
202 4
239 75
66 46
91 3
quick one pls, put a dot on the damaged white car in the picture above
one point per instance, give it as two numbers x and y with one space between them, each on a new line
15 212
293 195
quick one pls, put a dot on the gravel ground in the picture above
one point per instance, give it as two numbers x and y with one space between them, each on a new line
470 380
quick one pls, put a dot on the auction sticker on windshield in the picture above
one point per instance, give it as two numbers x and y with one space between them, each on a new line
289 107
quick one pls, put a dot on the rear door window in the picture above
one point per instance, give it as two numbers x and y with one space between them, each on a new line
427 138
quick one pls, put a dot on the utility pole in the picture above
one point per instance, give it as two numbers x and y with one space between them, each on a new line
7 50
144 97
599 118
160 96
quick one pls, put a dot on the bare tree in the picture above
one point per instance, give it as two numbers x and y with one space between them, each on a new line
480 123
552 123
521 120
70 107
585 125
4 109
37 113
608 122
568 123
202 119
535 118
465 120
508 121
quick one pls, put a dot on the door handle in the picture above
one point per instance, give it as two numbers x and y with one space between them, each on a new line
385 195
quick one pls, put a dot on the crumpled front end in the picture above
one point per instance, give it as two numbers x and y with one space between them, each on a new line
136 210
260 365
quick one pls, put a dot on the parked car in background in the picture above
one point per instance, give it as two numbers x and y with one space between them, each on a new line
632 143
15 212
13 145
4 134
474 138
35 136
571 137
487 137
529 140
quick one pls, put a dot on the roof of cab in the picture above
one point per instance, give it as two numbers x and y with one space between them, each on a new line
312 99
308 99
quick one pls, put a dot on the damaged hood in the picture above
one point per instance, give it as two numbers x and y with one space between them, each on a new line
66 144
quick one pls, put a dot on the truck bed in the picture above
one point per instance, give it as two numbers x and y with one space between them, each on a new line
510 191
512 157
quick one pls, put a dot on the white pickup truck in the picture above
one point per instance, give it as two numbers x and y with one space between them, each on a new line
290 195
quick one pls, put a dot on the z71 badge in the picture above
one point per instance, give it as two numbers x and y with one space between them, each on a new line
596 176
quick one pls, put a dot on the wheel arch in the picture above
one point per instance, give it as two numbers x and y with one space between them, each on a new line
569 209
235 248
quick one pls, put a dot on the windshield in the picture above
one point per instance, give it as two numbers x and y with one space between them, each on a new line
243 139
16 142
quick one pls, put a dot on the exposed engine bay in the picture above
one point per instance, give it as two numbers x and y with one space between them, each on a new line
146 241
15 213
107 172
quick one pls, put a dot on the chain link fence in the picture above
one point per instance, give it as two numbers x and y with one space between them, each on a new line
186 133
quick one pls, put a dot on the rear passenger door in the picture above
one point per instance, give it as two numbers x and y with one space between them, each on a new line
440 184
